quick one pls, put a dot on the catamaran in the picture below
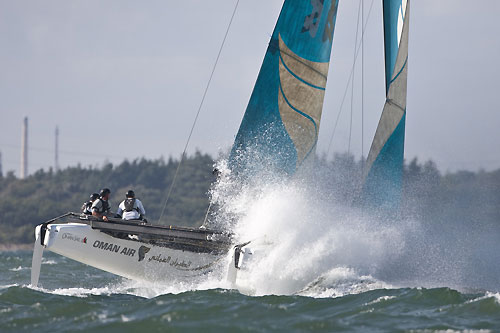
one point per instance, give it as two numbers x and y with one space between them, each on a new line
279 130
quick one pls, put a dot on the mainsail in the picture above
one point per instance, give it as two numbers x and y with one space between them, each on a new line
384 165
281 123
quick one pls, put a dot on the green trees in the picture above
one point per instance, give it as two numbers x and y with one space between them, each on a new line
44 195
460 197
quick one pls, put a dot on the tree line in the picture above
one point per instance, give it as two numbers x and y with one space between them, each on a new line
465 196
44 195
428 195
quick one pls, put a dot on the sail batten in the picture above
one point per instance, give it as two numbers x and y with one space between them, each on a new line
281 124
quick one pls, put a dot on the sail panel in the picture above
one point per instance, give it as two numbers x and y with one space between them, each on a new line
384 181
281 123
300 99
394 16
392 116
384 165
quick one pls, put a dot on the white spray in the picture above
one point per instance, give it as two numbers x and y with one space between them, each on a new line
304 242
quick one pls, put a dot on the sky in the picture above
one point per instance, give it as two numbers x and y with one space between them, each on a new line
123 79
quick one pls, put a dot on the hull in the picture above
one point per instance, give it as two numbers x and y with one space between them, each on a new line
128 258
140 256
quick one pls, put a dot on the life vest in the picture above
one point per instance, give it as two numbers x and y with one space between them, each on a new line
87 207
104 207
129 204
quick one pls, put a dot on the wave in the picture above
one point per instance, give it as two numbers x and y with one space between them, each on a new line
18 268
24 309
8 286
341 281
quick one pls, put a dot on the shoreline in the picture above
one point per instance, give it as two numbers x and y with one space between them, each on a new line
15 247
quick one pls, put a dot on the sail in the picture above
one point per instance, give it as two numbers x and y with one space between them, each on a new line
384 165
281 123
394 17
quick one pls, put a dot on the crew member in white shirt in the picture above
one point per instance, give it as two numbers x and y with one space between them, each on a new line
131 208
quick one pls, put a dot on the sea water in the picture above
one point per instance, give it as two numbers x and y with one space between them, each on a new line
75 297
317 264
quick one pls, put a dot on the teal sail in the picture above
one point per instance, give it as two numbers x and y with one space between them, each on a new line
394 17
384 165
281 123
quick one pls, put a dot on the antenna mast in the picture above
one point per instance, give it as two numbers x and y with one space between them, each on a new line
24 149
56 156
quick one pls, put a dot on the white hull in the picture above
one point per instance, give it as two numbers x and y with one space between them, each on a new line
127 257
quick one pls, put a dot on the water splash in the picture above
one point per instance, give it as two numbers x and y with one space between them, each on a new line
310 240
301 238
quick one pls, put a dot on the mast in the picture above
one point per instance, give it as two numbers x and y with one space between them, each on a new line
24 150
56 150
383 171
1 170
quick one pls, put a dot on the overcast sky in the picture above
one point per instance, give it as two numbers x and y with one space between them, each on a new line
123 79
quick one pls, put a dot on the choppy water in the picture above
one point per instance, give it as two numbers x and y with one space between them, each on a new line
74 297
317 265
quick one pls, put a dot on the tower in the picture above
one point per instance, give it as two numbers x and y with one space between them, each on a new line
56 156
24 150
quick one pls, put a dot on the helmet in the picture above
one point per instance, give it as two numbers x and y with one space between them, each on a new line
94 196
130 194
104 191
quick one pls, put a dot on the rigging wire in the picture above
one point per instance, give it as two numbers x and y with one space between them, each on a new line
348 81
362 89
198 112
353 76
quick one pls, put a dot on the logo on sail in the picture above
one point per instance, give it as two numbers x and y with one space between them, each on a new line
311 21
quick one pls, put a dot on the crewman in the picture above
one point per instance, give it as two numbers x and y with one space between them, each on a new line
100 207
131 208
87 205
